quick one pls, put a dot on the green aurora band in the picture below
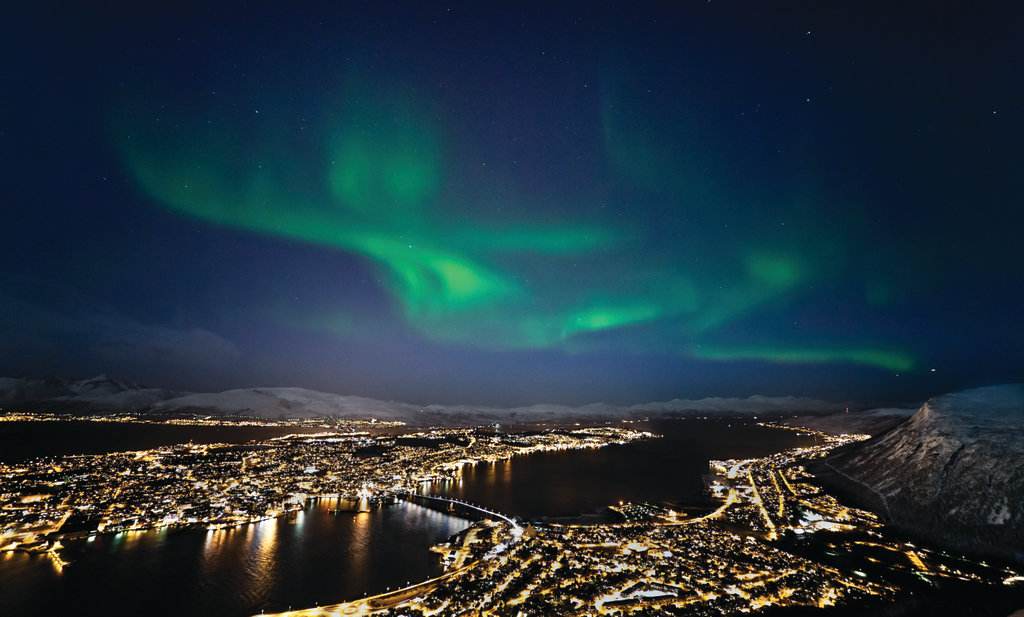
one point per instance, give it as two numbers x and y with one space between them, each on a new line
890 360
511 275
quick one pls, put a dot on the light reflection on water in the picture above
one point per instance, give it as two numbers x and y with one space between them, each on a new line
262 568
317 556
321 556
359 544
583 483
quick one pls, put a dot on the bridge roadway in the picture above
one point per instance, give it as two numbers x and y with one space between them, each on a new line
413 497
370 604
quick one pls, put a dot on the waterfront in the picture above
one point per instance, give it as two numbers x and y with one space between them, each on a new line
26 440
310 557
318 556
583 484
775 542
325 552
146 511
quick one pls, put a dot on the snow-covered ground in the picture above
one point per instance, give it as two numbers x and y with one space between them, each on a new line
105 394
866 422
954 469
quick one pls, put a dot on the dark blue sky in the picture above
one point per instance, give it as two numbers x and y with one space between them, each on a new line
463 203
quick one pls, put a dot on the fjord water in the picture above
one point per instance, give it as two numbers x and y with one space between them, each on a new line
313 557
321 556
669 470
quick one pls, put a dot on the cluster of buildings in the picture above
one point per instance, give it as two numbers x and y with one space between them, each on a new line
222 485
178 419
775 539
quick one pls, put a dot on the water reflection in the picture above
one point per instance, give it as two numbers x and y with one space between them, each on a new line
359 545
329 552
262 570
325 554
490 474
213 550
584 483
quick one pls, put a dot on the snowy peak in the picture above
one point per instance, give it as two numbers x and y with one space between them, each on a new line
288 402
101 384
994 406
866 422
954 470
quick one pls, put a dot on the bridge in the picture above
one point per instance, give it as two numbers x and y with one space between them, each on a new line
428 500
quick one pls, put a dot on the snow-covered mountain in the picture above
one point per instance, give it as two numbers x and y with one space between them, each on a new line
105 394
954 471
99 393
287 402
866 422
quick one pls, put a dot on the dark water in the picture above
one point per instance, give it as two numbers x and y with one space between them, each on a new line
319 557
314 557
667 470
24 440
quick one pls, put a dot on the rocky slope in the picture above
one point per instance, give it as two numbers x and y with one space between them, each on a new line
953 472
866 422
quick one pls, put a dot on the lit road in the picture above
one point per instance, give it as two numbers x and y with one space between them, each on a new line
374 603
485 511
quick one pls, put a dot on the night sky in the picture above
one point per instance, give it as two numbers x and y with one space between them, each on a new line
467 204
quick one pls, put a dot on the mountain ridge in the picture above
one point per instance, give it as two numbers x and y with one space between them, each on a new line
103 394
952 472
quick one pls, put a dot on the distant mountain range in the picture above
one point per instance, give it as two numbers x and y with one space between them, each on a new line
953 472
103 394
97 393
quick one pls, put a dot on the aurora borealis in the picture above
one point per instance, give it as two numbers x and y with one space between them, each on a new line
492 276
475 205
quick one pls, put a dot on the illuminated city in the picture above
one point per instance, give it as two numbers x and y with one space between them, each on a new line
774 539
750 553
512 309
224 485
